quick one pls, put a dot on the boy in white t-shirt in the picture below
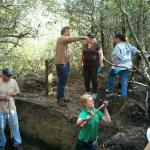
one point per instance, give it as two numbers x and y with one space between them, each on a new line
8 115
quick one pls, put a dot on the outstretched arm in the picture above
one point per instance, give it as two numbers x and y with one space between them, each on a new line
106 116
69 39
133 49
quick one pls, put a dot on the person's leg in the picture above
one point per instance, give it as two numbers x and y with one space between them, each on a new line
94 146
3 117
94 78
82 146
66 74
94 72
86 73
111 78
60 88
14 126
124 85
62 73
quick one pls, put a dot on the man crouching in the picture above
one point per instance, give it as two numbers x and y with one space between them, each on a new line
89 119
8 115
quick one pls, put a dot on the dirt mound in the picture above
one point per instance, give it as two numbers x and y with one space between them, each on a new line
31 83
132 138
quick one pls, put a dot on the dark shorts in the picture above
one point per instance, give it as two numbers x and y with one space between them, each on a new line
85 146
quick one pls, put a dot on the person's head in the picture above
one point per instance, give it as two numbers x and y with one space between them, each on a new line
119 38
87 101
6 74
65 31
91 38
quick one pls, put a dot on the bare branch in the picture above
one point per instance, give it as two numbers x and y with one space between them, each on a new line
6 7
133 34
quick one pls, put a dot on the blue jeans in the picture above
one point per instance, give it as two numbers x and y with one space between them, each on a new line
63 74
123 74
13 125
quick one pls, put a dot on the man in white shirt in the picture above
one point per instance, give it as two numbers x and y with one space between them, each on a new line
8 115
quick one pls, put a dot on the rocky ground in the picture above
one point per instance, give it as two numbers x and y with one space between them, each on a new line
129 123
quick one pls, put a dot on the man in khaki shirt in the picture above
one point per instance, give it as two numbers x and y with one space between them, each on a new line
8 115
63 53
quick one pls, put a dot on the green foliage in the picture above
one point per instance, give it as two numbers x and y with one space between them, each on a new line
29 29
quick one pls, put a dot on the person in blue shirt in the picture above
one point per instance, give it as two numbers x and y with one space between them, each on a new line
122 60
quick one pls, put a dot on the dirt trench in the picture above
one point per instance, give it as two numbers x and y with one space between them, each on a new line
46 126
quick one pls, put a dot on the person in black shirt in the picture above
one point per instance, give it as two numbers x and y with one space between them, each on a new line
91 59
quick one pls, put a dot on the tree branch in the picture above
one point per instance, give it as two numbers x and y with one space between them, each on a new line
133 34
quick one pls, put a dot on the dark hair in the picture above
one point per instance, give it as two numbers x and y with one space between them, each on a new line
91 35
120 36
64 29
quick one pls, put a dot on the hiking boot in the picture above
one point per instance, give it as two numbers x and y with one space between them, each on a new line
67 100
123 97
94 96
2 148
61 103
19 147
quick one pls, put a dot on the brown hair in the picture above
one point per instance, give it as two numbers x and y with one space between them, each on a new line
84 98
64 29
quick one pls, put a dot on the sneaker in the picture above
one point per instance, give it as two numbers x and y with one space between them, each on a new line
106 90
123 97
119 95
94 95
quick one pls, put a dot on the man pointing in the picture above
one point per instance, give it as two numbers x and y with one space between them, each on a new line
63 53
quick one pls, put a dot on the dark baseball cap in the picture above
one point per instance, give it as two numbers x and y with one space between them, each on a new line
120 36
7 72
91 35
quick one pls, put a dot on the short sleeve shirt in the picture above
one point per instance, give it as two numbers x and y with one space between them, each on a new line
91 55
90 131
5 89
